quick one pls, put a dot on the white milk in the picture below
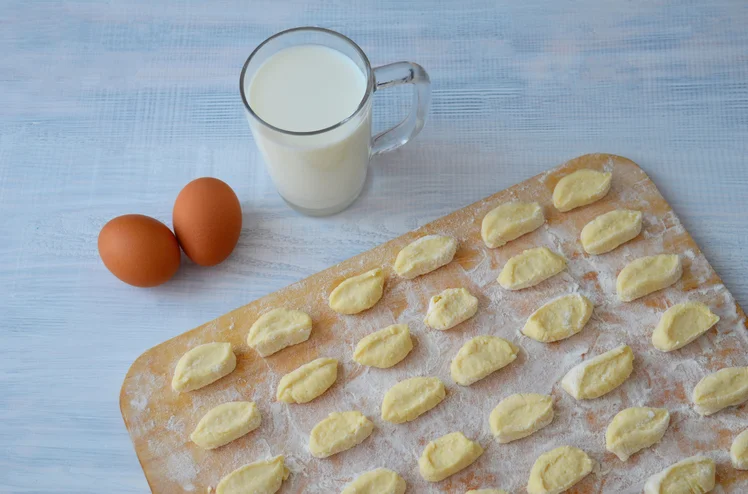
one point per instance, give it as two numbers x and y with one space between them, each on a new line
303 89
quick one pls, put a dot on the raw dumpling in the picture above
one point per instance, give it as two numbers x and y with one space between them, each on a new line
739 451
384 348
559 319
203 365
450 308
599 375
226 422
411 398
379 481
277 329
425 255
509 221
557 470
480 357
308 381
339 432
581 188
646 275
262 477
530 268
694 475
448 455
634 429
358 293
681 324
520 415
610 230
725 388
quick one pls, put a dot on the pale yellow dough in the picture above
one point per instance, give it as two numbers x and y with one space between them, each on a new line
278 329
681 324
510 221
530 268
262 477
581 188
600 375
634 429
411 398
425 255
725 388
379 481
385 347
487 491
557 470
648 274
520 415
739 451
358 293
203 365
610 230
226 422
448 455
450 308
480 357
694 475
339 432
559 319
308 381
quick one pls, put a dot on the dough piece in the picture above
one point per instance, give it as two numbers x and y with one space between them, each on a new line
610 230
339 432
646 275
480 357
358 293
694 475
581 188
226 422
411 398
681 324
384 348
203 365
425 255
634 429
450 308
509 221
739 451
599 375
379 481
448 455
308 381
277 329
725 388
262 477
487 491
520 415
557 470
530 268
559 318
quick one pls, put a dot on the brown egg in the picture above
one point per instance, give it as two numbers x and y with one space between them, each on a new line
207 220
139 250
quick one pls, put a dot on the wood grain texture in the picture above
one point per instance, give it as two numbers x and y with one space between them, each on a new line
160 420
110 108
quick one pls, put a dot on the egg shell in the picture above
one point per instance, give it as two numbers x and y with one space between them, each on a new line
207 220
139 250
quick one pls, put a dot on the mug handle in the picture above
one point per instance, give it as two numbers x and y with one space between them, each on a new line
395 74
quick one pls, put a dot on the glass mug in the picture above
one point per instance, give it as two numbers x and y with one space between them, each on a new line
322 171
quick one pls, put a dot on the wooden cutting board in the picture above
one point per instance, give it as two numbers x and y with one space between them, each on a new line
160 420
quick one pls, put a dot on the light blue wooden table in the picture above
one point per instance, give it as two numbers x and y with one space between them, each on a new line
109 108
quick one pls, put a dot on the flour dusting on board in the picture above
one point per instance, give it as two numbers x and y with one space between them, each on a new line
160 421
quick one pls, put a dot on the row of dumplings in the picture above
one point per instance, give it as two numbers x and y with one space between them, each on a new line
483 355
